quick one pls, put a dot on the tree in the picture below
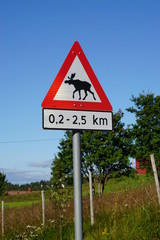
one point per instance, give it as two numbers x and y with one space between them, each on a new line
58 173
103 152
2 183
62 166
106 152
146 131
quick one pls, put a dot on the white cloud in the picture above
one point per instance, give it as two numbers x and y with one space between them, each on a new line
41 164
20 176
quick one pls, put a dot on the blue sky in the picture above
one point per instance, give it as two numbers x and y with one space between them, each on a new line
120 40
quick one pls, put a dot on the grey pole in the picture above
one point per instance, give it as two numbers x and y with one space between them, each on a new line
2 218
155 176
43 207
78 216
91 198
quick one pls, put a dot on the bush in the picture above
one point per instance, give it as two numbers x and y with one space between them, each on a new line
2 183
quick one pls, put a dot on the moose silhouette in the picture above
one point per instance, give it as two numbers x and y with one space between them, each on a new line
79 85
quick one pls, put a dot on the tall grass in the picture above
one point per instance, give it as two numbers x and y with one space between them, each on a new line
131 224
127 210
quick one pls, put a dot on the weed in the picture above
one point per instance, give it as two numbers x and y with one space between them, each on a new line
128 210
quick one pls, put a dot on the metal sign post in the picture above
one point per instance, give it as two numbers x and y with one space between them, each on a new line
77 185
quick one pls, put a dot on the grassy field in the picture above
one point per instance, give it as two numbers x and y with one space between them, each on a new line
113 185
128 209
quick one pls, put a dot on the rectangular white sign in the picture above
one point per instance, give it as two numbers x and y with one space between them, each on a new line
82 120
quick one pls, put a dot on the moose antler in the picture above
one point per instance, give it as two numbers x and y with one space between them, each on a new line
72 76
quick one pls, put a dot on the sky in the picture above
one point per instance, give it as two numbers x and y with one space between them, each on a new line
121 40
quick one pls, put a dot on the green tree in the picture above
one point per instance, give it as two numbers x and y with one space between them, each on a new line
2 183
146 130
106 152
58 173
62 166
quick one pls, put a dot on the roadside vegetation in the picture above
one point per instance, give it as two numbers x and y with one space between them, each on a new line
128 209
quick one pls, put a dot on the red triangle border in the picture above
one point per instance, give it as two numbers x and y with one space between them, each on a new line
48 101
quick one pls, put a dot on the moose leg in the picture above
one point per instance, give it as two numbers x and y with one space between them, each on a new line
79 94
74 93
92 94
85 94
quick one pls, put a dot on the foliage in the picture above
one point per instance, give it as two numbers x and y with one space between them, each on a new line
2 183
106 152
146 131
62 166
138 223
128 183
102 152
114 185
141 222
35 186
127 206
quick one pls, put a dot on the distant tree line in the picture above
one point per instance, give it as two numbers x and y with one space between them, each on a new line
34 186
6 186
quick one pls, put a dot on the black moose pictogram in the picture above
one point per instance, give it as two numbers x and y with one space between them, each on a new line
79 85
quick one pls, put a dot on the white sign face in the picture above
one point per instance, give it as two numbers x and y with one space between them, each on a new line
67 88
82 120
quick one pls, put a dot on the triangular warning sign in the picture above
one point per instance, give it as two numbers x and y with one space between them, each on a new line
76 87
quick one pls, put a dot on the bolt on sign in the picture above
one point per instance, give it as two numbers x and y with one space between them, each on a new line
76 99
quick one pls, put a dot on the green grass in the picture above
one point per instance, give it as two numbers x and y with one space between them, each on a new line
21 197
20 204
127 183
128 210
113 185
139 223
23 200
